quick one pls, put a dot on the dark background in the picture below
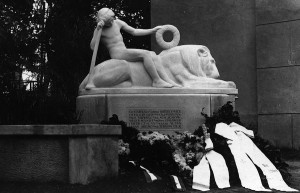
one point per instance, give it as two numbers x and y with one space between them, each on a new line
51 38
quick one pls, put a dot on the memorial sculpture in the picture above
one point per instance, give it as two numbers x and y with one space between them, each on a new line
152 103
187 66
149 91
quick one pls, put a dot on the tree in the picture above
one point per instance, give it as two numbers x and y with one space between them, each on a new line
50 38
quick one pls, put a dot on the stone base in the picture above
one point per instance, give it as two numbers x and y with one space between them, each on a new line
65 153
165 110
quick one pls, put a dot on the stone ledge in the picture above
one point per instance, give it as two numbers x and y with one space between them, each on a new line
79 153
79 129
147 90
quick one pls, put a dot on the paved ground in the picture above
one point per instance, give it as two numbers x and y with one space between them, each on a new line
129 182
294 170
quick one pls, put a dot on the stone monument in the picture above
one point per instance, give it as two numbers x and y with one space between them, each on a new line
165 92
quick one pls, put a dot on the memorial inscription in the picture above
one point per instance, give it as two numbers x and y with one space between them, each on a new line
155 119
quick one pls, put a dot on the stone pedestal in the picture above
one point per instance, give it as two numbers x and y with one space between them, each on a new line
165 110
65 153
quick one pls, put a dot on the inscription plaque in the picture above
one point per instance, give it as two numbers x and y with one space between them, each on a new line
169 119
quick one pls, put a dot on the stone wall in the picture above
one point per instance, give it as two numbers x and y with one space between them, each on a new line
32 158
278 71
80 153
227 28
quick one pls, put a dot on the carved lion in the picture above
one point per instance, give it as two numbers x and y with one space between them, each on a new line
187 65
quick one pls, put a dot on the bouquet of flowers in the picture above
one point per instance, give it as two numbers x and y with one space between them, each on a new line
184 150
189 149
124 149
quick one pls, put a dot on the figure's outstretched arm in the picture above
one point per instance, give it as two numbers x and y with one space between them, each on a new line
137 32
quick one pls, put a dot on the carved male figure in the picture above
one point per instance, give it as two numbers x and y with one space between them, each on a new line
110 27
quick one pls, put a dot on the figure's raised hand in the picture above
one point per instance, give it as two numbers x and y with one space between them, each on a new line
157 28
100 24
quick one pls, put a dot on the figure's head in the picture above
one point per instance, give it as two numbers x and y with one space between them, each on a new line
106 15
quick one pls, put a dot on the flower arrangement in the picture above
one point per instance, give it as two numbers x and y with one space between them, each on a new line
152 138
124 149
181 152
189 149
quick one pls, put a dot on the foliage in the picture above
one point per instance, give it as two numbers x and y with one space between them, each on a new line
27 108
129 134
225 114
50 39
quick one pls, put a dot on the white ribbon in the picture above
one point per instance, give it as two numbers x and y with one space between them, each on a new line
152 176
242 147
132 162
248 174
209 144
177 183
236 127
273 176
225 131
201 175
219 168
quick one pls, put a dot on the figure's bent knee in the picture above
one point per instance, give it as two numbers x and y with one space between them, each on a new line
124 63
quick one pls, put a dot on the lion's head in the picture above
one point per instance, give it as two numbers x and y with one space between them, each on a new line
198 60
207 62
